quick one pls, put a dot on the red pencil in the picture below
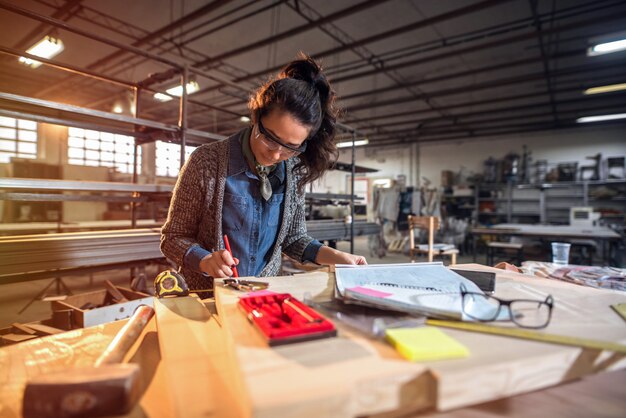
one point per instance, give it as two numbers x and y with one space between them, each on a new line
227 245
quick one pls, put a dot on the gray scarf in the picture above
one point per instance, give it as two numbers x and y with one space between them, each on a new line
261 171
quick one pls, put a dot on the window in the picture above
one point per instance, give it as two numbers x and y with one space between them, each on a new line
102 149
168 158
18 138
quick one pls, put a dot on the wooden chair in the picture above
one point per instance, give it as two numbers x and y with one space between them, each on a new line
430 224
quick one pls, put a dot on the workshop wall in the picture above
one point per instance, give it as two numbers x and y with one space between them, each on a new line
554 146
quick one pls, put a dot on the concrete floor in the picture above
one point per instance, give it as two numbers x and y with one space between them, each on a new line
14 297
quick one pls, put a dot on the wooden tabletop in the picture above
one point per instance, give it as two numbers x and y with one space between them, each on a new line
227 370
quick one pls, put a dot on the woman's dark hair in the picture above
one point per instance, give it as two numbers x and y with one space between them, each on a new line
301 89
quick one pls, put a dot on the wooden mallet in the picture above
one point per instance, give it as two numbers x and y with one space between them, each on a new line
107 388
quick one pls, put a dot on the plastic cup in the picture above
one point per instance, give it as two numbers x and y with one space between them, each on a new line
560 253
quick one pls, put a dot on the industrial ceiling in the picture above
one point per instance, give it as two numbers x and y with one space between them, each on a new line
404 70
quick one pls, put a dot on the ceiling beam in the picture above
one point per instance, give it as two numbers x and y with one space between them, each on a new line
66 11
486 45
291 32
544 56
485 85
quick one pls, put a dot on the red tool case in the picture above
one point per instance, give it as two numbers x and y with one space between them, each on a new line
283 319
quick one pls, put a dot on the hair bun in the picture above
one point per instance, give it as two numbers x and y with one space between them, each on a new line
306 69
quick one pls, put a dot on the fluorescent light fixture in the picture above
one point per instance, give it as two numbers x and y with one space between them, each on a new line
349 143
601 118
48 47
244 119
192 87
607 48
605 89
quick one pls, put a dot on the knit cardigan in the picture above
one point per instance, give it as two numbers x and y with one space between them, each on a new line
195 212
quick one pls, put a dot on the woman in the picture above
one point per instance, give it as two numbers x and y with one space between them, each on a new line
250 186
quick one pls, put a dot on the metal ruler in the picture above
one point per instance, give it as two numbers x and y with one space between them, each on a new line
529 334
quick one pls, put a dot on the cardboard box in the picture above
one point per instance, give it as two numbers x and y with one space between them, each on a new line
69 313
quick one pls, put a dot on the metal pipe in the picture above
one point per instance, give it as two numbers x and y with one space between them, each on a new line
352 193
394 32
463 104
442 130
482 135
447 77
291 32
66 122
486 85
182 122
487 32
67 67
483 46
60 24
83 111
533 106
544 57
133 205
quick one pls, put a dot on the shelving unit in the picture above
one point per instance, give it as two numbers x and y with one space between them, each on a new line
548 203
460 207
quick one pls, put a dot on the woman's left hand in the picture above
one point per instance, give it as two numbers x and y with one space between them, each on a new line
327 255
354 259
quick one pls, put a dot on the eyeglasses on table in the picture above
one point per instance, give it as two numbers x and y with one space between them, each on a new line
526 313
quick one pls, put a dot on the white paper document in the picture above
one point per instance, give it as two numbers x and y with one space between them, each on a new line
424 288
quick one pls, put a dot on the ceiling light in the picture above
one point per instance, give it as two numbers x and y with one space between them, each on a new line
244 119
192 87
48 47
117 108
607 48
600 118
605 89
349 143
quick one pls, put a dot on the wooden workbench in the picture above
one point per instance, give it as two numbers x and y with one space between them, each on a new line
603 234
227 370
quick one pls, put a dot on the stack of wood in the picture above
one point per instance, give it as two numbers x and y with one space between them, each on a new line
97 307
27 254
22 332
121 303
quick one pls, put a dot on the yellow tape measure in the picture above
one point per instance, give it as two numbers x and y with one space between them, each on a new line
528 334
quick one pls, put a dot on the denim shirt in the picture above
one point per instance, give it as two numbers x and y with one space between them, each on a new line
250 222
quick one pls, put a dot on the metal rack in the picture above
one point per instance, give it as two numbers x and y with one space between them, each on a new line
547 203
143 130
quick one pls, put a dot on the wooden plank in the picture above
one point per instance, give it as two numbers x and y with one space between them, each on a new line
196 362
42 329
15 338
344 376
117 295
23 328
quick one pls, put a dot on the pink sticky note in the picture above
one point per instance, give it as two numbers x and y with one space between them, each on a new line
370 292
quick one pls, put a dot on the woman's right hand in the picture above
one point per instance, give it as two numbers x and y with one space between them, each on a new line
218 264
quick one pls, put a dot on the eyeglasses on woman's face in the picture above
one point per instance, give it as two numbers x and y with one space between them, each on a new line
274 144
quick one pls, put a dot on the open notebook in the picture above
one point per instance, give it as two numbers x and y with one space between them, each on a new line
423 288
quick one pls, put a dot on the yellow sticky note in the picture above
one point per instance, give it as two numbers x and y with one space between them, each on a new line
425 344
